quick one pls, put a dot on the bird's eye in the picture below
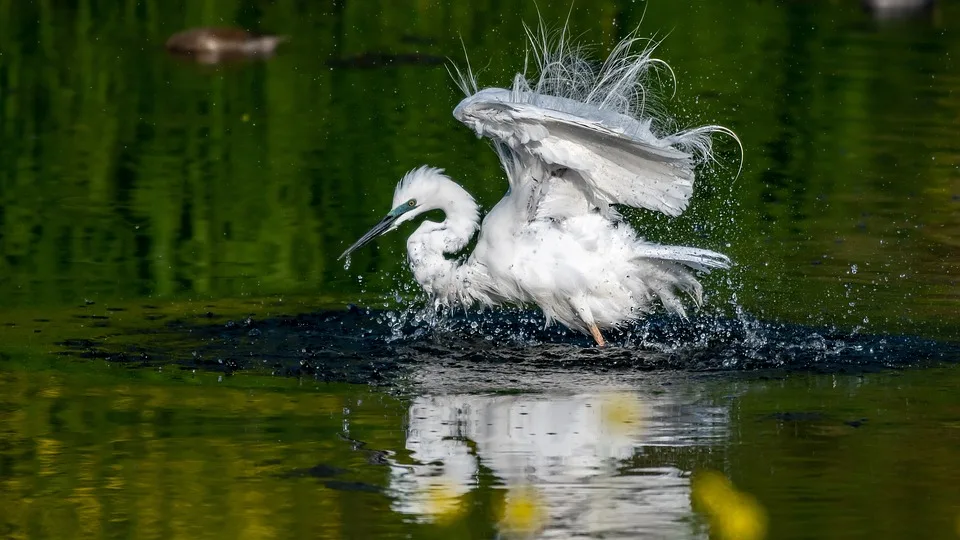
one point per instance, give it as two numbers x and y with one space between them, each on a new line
411 203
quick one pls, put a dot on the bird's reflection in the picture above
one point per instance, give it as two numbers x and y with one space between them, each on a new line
565 461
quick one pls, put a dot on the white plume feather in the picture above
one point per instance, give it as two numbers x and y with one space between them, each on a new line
591 104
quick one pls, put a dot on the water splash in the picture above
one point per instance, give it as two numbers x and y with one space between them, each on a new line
370 345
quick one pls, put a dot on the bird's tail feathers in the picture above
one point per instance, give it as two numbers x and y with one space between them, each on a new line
702 260
667 271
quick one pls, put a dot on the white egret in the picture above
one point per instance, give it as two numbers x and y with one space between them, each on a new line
574 141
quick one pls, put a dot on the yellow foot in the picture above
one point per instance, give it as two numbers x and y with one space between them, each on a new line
597 336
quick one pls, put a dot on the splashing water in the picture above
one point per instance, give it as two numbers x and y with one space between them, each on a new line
378 345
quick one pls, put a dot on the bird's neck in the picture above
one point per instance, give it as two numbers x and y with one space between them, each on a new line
442 278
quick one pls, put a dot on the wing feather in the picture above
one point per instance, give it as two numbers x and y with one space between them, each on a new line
618 167
591 124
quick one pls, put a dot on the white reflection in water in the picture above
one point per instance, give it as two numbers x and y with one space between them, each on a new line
571 448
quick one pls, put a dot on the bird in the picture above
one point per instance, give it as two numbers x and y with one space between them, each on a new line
210 45
576 139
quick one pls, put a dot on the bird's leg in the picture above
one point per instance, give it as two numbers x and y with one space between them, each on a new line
597 336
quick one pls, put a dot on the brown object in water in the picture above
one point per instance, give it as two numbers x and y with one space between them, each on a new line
211 45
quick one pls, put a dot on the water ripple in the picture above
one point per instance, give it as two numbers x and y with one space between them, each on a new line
373 346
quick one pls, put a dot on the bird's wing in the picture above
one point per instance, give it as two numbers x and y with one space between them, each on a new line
613 165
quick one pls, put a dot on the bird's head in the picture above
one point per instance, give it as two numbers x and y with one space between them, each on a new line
421 190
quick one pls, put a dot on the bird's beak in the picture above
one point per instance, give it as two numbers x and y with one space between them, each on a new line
377 230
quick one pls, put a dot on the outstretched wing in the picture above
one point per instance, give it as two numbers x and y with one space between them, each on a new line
614 159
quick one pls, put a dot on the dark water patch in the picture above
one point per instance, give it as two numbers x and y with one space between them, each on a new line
363 487
380 347
411 39
703 343
810 425
320 470
795 416
74 344
373 457
371 60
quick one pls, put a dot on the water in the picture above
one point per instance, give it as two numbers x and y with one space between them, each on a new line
181 354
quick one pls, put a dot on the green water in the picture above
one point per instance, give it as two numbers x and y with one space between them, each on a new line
145 200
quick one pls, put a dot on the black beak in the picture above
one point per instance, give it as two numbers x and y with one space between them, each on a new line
376 231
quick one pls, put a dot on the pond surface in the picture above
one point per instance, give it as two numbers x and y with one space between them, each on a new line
181 354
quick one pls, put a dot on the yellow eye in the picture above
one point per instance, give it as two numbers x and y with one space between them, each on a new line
411 203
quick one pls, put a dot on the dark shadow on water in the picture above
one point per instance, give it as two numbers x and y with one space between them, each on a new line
371 60
381 347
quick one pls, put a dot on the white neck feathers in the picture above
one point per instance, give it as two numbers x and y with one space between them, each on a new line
439 276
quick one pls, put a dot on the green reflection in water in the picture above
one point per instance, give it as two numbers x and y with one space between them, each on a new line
128 456
865 454
102 452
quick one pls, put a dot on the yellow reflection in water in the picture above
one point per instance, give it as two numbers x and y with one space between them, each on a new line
444 503
523 513
48 454
733 514
621 412
53 390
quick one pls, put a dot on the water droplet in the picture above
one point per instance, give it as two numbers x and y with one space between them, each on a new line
346 263
853 269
